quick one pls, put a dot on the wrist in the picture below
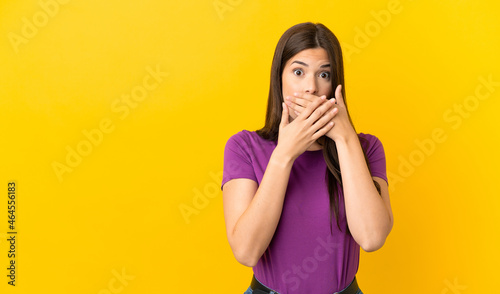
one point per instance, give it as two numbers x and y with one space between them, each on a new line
348 139
281 158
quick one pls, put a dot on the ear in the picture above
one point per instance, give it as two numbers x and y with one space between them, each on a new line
338 95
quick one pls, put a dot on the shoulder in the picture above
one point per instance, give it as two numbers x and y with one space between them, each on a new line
242 136
370 143
368 138
247 140
375 155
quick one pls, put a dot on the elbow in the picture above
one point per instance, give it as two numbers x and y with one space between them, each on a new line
247 261
246 258
245 254
374 240
372 244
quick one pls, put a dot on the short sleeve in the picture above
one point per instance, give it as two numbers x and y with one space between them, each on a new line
376 157
237 160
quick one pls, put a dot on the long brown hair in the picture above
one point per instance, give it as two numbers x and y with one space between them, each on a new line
297 38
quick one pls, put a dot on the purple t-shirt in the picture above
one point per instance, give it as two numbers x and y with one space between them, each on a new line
303 256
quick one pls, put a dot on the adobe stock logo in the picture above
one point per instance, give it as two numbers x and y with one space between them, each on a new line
117 283
372 29
455 117
121 107
310 264
201 198
221 7
48 10
454 288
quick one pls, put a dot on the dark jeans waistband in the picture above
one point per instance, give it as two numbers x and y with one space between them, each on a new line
259 288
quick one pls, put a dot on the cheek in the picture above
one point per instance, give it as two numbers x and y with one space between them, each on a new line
288 86
326 88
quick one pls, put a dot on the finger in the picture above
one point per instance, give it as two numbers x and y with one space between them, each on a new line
307 96
295 107
311 107
284 116
303 102
304 99
326 118
320 111
338 95
321 132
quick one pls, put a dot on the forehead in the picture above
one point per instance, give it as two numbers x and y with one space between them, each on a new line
311 56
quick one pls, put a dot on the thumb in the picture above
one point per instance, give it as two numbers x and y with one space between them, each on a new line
338 95
284 116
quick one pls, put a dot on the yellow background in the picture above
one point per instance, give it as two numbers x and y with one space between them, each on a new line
117 211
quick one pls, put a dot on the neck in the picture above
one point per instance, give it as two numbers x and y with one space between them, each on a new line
315 146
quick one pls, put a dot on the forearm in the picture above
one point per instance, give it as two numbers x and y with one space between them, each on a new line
367 215
256 226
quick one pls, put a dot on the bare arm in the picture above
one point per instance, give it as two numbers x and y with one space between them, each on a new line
252 214
252 220
369 213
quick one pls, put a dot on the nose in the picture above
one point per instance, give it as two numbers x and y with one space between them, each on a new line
311 86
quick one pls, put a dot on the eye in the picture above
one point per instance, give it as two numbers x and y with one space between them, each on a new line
298 72
325 75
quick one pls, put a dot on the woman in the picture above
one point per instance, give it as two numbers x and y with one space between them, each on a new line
305 192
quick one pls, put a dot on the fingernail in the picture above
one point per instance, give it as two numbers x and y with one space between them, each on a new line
295 94
287 97
323 97
332 100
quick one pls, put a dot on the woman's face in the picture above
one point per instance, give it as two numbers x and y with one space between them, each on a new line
309 71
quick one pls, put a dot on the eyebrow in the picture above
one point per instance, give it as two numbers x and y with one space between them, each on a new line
305 64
